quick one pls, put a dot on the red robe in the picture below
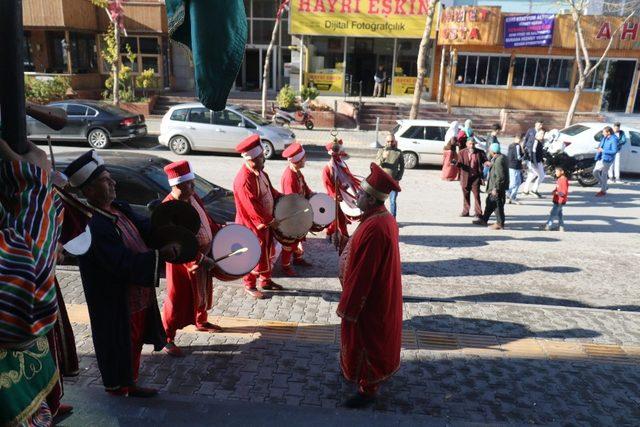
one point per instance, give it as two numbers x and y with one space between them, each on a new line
181 306
251 211
371 301
293 182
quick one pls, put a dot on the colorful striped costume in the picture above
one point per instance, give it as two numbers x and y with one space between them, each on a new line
30 218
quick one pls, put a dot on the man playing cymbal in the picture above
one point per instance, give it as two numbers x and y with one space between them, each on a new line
189 285
293 182
255 201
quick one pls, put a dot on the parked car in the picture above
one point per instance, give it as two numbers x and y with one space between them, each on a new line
583 139
422 141
142 182
188 127
96 122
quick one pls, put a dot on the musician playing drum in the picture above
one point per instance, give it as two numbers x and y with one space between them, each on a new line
293 182
255 199
189 285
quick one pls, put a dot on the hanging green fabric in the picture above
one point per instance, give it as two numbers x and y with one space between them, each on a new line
215 31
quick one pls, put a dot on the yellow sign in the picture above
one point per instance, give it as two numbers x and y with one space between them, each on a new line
471 25
362 18
406 85
325 82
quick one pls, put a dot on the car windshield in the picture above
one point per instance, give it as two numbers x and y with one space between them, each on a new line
253 116
204 189
574 130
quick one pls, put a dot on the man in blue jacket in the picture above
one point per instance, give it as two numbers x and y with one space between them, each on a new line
607 150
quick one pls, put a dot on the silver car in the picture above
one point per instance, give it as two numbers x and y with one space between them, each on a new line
192 127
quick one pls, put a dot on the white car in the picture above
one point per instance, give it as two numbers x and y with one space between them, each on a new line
192 127
422 141
583 138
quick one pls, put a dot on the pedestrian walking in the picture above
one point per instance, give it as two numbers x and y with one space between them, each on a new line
371 301
614 170
468 128
535 164
560 196
515 154
390 159
493 136
497 184
470 162
378 81
450 152
607 150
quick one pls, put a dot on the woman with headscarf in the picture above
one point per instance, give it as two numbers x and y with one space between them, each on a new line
449 170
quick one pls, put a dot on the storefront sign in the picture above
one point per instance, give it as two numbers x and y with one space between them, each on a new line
528 30
325 82
469 25
406 85
597 31
361 18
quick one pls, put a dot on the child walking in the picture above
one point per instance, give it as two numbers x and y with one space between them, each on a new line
560 196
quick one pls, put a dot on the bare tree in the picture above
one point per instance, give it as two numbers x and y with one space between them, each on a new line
115 12
267 60
586 65
422 61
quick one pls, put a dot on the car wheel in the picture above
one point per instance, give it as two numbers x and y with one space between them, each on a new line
410 159
179 145
98 139
269 151
308 124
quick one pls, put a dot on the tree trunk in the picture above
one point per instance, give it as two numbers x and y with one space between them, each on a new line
116 66
265 71
577 92
422 62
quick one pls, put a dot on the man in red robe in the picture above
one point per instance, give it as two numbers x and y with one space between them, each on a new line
293 182
255 201
371 301
337 172
189 285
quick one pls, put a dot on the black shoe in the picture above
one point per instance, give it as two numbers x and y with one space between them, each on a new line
142 392
538 195
359 401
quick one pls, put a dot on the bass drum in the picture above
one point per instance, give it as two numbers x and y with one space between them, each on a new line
229 239
353 213
295 216
324 211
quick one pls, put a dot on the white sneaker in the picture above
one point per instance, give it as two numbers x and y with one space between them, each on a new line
561 228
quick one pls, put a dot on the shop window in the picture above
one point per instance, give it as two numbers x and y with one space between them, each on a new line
57 47
83 53
262 30
28 56
127 63
407 58
131 41
264 8
150 62
149 45
482 70
542 72
327 55
596 79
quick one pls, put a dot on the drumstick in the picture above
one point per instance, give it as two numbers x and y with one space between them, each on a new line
53 160
293 215
229 255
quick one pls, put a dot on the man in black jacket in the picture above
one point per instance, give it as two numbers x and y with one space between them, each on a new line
497 184
119 276
535 164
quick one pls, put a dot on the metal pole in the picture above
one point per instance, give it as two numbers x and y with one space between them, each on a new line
12 103
301 65
376 144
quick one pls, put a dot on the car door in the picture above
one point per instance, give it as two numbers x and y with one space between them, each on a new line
76 122
433 143
412 140
199 129
630 160
229 129
37 129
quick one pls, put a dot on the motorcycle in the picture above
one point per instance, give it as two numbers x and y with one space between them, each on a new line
578 167
282 117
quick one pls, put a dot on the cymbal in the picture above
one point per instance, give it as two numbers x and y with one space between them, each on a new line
162 236
176 212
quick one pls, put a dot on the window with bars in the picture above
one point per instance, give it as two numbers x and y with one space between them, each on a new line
542 72
482 70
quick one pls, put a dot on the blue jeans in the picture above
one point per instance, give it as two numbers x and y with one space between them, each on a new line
556 212
392 202
515 179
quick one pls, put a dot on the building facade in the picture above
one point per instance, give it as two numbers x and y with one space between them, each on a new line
481 72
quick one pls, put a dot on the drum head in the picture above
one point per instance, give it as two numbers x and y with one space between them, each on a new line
324 209
231 238
352 212
80 244
290 209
